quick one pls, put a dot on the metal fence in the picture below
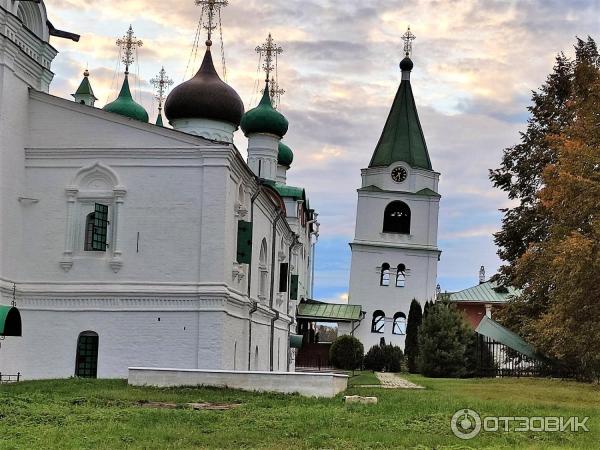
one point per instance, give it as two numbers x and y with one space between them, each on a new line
5 379
497 360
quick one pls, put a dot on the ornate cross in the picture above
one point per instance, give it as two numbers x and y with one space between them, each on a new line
269 51
408 39
161 84
210 8
128 45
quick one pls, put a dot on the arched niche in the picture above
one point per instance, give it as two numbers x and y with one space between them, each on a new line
33 15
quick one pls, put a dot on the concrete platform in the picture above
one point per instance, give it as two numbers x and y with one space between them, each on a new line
303 383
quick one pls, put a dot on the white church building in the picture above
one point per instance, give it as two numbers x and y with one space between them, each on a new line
394 251
124 243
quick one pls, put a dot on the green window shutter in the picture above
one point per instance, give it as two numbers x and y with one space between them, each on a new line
283 277
244 242
100 228
294 287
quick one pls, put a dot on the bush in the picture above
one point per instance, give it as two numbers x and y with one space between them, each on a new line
386 358
346 353
411 347
444 341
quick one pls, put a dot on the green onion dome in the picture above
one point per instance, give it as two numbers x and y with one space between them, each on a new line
264 118
285 157
126 106
205 96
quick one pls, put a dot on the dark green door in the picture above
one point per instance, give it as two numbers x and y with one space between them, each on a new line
87 356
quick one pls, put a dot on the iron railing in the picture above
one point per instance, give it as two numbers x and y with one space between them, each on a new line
5 379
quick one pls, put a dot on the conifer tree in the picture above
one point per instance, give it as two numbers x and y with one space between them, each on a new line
521 172
411 346
444 342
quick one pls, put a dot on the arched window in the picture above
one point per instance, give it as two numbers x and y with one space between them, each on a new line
399 323
401 275
396 218
264 271
378 324
86 363
384 280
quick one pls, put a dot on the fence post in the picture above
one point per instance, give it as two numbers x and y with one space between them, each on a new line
18 376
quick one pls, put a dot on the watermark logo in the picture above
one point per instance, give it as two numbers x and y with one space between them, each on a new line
466 424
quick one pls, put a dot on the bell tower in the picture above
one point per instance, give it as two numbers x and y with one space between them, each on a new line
394 251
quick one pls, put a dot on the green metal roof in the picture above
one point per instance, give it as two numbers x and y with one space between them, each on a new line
285 156
488 292
159 119
126 106
402 138
493 330
329 312
10 321
290 191
85 88
425 192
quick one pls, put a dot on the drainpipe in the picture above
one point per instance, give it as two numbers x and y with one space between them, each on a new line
362 316
280 216
295 241
254 305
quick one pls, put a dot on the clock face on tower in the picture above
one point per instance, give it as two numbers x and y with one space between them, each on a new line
399 174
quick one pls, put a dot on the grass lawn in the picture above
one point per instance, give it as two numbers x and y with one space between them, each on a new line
94 414
363 378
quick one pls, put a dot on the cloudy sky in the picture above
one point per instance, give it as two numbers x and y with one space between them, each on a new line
476 63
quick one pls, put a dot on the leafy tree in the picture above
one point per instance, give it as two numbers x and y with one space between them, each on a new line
411 346
521 172
558 310
346 353
444 339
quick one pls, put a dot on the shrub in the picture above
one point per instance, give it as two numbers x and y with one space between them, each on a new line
346 353
444 339
411 347
384 358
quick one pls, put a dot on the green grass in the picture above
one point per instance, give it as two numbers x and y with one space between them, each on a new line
364 378
91 414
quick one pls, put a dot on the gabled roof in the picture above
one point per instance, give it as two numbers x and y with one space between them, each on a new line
328 312
402 138
488 292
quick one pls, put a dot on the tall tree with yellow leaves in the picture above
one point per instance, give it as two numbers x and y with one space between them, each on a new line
559 310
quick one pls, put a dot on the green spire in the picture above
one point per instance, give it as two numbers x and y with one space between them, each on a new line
264 118
159 121
402 138
84 93
126 106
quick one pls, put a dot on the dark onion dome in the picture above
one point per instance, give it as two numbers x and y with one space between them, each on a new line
406 65
126 106
285 157
205 96
264 118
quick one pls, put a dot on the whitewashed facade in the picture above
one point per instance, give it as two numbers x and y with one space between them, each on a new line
395 252
168 291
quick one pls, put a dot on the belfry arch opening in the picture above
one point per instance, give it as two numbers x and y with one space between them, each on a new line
396 218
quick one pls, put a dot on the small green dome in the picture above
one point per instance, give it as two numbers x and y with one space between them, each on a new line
126 106
285 157
264 118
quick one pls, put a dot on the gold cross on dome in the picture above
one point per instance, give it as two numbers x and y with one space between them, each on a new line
269 51
408 39
128 45
161 84
210 7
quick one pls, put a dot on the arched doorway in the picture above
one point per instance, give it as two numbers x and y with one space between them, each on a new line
86 364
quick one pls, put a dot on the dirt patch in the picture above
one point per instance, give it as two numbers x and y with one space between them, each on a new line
194 406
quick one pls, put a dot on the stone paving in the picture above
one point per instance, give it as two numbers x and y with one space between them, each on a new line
393 381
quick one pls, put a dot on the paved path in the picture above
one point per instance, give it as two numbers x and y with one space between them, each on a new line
393 381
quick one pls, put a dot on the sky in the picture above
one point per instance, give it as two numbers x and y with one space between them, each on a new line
476 63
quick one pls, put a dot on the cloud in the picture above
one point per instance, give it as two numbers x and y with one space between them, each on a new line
476 63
